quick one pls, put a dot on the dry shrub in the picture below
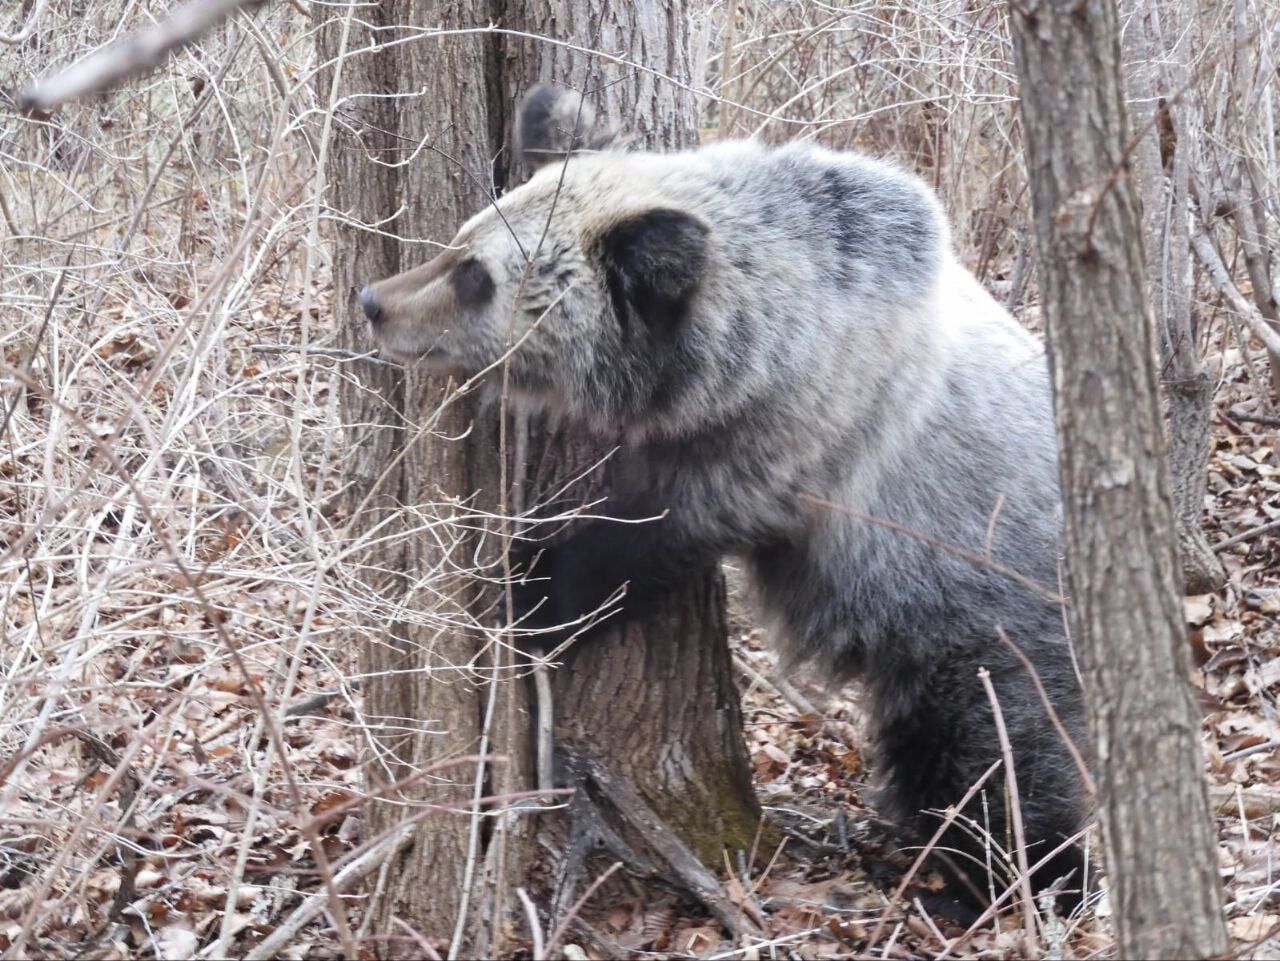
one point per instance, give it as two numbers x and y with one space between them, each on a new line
928 85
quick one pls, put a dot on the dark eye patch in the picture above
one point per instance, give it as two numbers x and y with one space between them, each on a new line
471 283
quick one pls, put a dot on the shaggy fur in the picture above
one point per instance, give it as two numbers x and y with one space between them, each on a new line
759 324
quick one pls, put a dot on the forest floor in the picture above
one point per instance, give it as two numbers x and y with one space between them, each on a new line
131 829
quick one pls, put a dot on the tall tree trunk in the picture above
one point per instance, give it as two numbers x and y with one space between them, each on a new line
1161 171
647 716
417 709
1125 614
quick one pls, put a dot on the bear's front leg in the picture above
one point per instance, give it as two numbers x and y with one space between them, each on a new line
605 572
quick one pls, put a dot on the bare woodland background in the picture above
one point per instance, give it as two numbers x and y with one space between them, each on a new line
172 368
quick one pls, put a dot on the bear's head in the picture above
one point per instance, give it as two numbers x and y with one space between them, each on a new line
580 281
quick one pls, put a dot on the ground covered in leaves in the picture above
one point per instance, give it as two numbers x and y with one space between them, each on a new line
152 816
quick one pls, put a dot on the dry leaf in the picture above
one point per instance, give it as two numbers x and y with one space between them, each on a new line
176 942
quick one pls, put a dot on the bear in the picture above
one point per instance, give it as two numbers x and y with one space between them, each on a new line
798 372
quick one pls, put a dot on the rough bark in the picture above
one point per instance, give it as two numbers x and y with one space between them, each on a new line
1161 175
650 706
414 715
1125 615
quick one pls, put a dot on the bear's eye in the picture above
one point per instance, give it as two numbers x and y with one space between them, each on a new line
471 283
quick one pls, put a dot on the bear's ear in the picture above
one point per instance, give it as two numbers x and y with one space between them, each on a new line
653 263
554 121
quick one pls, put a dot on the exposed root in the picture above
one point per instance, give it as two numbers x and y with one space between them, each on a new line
604 798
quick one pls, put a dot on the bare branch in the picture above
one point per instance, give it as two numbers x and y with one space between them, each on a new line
1209 258
1015 809
1248 535
310 909
137 53
28 29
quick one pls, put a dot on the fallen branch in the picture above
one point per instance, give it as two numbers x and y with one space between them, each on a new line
311 705
1267 420
287 931
836 730
672 860
1268 745
1247 535
134 54
1253 802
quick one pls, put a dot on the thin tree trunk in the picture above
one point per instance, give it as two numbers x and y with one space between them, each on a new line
647 716
1161 173
1125 615
1247 204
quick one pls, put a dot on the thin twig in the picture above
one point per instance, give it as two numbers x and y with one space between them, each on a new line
929 922
1209 258
425 946
535 928
1015 811
27 28
1267 420
192 583
1268 745
951 814
1086 777
1248 535
844 733
286 931
335 352
976 559
1004 896
562 928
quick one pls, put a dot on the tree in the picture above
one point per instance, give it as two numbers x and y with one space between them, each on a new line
679 760
392 466
1125 615
1156 77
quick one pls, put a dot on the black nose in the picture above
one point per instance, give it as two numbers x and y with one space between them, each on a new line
371 308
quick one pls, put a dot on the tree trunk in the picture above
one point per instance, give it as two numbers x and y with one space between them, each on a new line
647 716
414 715
1247 204
1125 614
1161 171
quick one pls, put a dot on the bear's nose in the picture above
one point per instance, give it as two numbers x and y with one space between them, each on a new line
370 305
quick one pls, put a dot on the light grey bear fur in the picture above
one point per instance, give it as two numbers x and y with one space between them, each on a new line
823 340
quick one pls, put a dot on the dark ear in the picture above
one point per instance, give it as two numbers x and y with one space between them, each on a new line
653 263
554 121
